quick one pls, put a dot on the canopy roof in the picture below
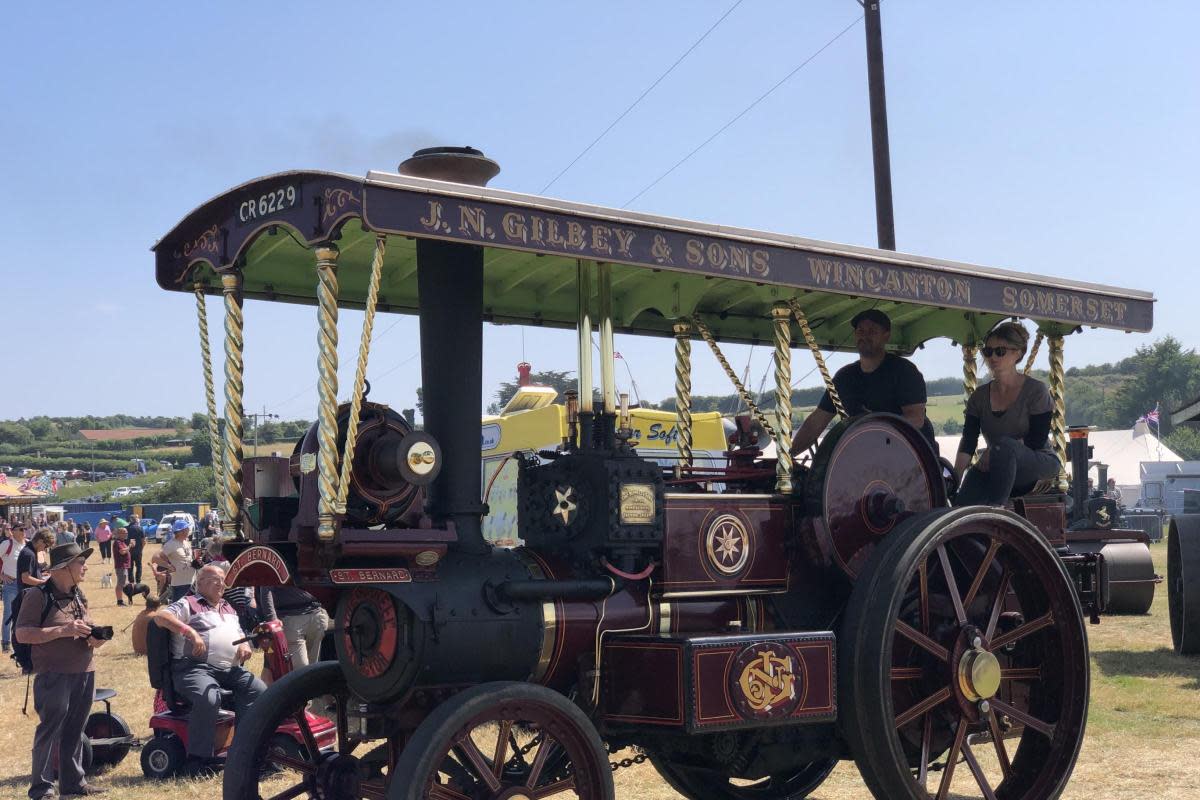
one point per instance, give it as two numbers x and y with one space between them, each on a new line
663 268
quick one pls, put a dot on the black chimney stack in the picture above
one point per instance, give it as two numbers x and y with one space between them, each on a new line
450 285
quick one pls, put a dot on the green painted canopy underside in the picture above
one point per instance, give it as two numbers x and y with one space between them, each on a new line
540 290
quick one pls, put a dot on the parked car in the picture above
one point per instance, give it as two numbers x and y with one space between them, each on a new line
136 490
122 491
164 524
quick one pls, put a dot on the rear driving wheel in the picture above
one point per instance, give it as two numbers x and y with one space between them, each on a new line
964 666
704 784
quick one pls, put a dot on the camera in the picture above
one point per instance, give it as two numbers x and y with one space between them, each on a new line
102 632
197 562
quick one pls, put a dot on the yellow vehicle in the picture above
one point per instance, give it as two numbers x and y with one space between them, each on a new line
531 421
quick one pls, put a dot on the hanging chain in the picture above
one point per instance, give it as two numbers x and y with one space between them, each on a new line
360 375
639 757
744 395
801 318
1037 343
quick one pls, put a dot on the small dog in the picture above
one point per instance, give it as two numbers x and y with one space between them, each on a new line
131 590
106 580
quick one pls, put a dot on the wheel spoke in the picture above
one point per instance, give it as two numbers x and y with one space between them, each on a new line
539 761
310 741
1044 728
918 638
288 794
1018 633
1021 674
998 742
917 709
557 787
924 598
977 771
926 743
997 604
907 673
952 760
372 791
501 747
442 792
307 767
482 769
981 574
952 585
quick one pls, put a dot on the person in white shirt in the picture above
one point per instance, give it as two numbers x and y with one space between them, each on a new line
10 551
203 630
177 558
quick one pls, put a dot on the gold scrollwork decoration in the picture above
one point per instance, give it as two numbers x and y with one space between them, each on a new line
336 200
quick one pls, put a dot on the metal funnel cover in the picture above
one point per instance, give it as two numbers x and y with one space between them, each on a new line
455 164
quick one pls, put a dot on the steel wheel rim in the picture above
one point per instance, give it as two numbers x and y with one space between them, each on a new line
1042 656
478 760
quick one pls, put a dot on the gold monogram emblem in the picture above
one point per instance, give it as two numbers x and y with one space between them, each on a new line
728 544
768 680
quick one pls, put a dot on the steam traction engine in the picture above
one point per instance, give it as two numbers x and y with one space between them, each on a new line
746 626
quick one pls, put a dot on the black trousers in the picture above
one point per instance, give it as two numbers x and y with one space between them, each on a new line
135 564
1011 463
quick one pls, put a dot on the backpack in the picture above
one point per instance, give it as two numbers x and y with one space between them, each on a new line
23 653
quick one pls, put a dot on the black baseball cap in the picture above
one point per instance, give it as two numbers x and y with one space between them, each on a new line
874 315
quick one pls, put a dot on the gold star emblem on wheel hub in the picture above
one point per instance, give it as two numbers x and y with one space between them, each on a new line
564 504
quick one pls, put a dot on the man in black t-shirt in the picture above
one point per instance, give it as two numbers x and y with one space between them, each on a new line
878 381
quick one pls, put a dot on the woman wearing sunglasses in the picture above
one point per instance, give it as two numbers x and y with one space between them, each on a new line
1012 411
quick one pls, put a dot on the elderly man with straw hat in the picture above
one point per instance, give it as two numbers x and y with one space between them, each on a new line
55 622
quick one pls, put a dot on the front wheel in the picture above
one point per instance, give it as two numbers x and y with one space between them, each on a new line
504 740
964 662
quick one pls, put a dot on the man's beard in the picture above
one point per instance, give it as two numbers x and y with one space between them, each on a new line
868 350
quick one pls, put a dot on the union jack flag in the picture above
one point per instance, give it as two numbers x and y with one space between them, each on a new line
1150 417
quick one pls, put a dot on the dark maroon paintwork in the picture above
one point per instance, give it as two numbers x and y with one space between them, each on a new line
691 520
694 683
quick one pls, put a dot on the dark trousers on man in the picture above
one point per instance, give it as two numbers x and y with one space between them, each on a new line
62 701
135 564
201 685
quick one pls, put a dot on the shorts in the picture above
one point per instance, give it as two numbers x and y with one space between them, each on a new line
122 577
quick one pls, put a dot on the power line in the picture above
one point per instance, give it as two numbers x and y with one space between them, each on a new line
641 97
744 111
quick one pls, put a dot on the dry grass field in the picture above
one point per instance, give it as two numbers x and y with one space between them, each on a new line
1143 730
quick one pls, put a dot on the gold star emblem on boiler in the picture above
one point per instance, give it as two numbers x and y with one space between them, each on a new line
728 544
564 504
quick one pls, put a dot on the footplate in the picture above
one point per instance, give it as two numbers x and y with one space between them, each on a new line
700 684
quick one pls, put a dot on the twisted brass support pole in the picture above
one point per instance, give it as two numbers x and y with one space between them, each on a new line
1037 343
231 471
811 341
970 369
1058 417
737 384
683 390
783 397
214 430
327 365
360 375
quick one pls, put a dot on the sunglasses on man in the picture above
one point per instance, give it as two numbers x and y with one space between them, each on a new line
999 352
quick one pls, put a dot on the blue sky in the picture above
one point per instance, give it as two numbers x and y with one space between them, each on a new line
1053 138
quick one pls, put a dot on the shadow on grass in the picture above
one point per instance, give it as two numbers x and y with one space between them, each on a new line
17 786
1148 664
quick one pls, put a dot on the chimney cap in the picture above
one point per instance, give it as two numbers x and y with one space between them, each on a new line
455 164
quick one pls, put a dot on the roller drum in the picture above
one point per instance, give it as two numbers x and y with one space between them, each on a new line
1183 582
1129 571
